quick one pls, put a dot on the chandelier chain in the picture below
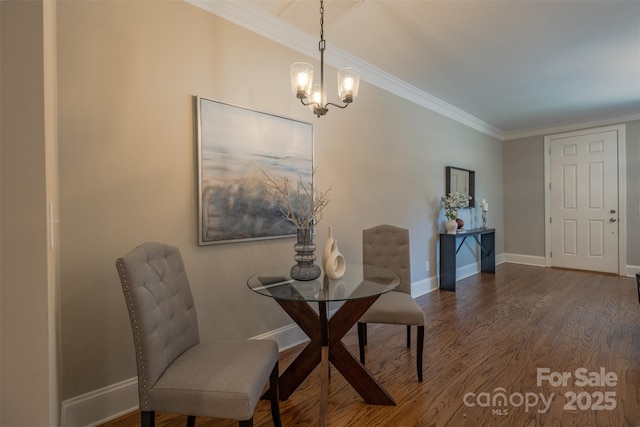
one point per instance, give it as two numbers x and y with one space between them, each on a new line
321 20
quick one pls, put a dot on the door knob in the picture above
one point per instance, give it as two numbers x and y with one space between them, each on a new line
612 211
612 220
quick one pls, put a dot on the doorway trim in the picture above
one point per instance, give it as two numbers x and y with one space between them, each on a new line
622 190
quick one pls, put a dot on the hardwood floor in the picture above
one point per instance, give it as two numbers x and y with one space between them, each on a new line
491 336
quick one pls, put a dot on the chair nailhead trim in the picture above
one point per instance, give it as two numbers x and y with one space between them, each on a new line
134 321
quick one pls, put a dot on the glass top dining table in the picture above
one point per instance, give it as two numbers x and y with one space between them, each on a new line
359 281
357 290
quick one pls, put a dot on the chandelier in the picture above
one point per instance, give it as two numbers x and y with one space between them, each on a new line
315 95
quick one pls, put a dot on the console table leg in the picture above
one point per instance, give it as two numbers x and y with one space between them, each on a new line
488 254
448 262
448 252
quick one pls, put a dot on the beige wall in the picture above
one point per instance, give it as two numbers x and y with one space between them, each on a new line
633 193
1 193
524 195
29 388
127 74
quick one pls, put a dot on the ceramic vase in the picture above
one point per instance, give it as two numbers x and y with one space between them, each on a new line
305 269
451 226
332 260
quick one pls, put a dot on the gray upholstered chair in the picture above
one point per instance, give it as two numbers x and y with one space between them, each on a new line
177 373
388 246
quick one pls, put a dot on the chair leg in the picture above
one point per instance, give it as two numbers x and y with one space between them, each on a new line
191 421
362 339
147 418
638 280
362 329
419 351
408 336
246 423
275 396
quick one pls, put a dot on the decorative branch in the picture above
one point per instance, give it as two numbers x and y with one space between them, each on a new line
303 208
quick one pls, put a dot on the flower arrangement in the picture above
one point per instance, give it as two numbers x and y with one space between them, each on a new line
302 207
452 202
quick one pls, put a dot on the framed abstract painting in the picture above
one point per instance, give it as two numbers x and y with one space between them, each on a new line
235 147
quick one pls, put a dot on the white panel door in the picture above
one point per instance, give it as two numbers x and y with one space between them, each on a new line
584 202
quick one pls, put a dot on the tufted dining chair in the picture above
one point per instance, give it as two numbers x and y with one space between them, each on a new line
176 372
388 246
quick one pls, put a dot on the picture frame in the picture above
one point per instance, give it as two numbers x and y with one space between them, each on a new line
235 146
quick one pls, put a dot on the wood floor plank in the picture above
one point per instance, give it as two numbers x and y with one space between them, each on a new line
489 337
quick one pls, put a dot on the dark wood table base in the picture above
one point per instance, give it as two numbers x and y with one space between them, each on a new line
326 334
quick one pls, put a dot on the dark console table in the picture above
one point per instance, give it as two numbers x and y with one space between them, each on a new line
449 250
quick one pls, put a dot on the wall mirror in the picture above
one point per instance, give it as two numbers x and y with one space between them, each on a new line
463 181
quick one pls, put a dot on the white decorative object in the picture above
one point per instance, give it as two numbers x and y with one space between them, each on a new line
451 226
332 260
484 207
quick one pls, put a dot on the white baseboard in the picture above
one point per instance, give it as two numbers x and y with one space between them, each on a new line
102 405
538 261
632 270
424 286
474 268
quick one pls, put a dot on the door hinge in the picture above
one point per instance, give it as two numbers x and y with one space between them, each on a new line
550 254
550 220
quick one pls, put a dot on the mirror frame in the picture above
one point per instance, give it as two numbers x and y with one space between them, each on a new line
472 183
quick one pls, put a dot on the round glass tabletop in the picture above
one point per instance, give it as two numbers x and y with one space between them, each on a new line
359 281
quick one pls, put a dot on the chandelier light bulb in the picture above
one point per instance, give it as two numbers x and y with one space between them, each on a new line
301 79
348 82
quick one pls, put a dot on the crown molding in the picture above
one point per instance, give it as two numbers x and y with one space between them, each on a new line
596 122
262 22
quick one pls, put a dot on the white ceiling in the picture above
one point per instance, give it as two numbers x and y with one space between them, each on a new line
515 65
